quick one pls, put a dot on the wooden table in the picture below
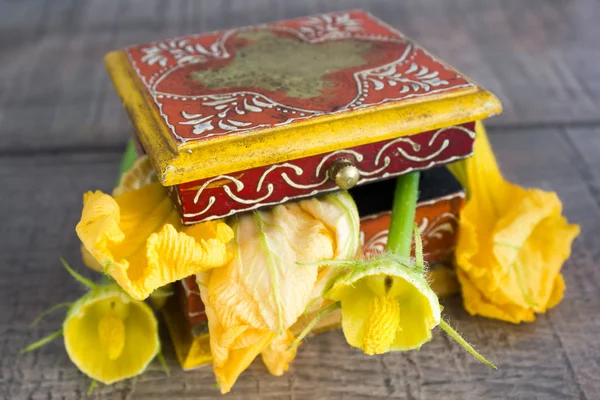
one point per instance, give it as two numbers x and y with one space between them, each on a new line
63 132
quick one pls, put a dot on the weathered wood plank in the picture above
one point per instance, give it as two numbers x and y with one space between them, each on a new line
554 358
540 58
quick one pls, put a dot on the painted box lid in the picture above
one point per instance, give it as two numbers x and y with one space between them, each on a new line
240 102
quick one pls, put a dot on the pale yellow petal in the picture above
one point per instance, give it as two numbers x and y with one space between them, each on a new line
99 225
210 231
135 238
476 303
355 313
262 291
141 174
109 336
339 214
419 312
263 285
230 362
89 260
443 281
558 290
238 360
277 356
544 254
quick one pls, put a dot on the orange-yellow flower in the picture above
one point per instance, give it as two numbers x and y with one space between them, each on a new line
512 242
137 237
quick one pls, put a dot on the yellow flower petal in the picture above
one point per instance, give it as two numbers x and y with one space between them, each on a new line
339 213
89 260
109 336
443 281
512 242
174 255
253 300
269 289
235 348
140 174
558 290
477 304
139 240
276 356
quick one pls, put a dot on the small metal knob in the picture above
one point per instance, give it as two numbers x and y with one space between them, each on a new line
344 173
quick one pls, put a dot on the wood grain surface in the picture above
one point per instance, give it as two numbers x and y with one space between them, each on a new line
62 131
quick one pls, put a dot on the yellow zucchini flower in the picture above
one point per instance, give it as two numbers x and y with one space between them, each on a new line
387 305
386 302
107 335
253 300
137 237
512 241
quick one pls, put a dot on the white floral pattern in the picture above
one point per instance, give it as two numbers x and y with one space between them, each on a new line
226 108
191 117
330 26
422 78
182 51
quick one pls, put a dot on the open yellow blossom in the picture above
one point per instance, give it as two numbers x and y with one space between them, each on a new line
386 304
253 301
512 241
138 239
107 335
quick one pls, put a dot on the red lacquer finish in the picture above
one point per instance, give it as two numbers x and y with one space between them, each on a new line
228 194
190 297
438 224
215 84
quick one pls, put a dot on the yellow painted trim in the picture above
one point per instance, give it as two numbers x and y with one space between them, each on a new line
151 131
222 155
192 352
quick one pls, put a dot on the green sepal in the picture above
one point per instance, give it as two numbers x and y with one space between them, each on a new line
459 339
42 341
48 311
311 324
79 278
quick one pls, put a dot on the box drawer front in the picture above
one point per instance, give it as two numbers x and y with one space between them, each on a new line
229 194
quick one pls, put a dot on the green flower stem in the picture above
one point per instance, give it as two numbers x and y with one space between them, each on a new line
92 387
163 363
403 214
311 324
128 159
79 278
42 341
48 311
456 336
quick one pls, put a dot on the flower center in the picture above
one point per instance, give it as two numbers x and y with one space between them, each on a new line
382 324
111 331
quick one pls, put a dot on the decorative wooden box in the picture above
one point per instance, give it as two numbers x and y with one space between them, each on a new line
246 118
